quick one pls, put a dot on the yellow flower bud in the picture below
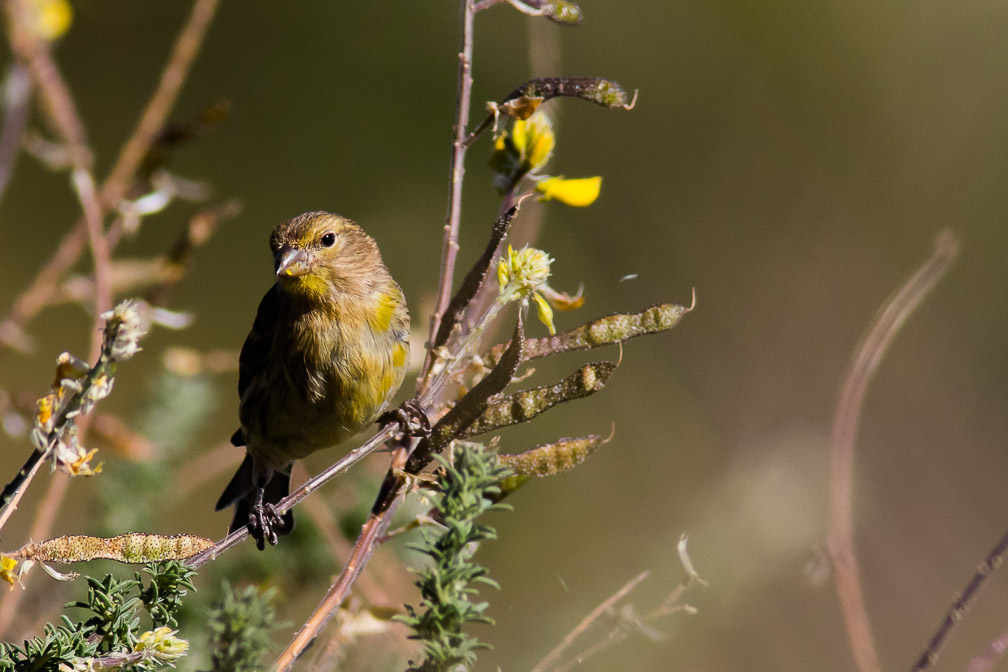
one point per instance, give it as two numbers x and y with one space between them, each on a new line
545 312
49 19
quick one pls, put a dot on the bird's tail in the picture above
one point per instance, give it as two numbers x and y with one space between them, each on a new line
240 492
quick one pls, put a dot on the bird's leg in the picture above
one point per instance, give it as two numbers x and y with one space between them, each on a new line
410 417
263 518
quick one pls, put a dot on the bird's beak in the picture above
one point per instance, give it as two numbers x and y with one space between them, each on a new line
292 261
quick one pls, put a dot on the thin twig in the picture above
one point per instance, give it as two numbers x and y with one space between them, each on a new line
961 606
293 499
586 622
845 423
449 248
12 495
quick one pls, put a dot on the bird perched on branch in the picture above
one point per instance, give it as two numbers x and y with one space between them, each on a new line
327 352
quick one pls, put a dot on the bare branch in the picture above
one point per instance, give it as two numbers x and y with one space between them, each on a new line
841 534
449 249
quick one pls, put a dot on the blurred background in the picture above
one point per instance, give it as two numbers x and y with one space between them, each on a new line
791 161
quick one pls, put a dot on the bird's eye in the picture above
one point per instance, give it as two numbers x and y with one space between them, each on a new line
329 239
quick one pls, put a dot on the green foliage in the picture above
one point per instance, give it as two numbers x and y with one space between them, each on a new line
468 488
241 623
114 610
112 628
163 597
59 644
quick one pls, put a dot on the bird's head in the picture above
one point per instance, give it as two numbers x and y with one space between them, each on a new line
318 256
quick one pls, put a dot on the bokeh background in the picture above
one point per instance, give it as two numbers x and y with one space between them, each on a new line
791 161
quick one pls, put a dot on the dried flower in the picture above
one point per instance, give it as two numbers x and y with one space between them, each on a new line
125 325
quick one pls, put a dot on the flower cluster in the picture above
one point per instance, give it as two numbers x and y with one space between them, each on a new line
78 387
524 150
521 275
162 645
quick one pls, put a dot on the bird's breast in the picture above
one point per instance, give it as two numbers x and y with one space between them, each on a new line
329 380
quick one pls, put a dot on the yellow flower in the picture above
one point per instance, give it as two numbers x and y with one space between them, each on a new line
162 645
534 139
7 566
521 275
545 312
525 149
577 193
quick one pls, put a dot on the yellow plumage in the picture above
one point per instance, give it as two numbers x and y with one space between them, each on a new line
325 356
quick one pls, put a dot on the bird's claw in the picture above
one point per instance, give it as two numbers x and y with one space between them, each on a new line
264 520
412 419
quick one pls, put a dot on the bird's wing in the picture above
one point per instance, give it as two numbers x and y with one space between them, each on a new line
255 353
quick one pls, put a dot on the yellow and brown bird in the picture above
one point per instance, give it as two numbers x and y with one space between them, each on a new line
326 354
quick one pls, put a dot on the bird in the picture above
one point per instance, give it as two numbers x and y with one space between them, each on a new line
326 354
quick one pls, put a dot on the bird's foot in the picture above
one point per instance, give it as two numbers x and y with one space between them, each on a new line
263 523
411 418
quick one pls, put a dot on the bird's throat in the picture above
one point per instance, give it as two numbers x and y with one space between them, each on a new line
309 287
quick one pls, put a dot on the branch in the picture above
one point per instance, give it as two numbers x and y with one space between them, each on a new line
841 534
961 607
295 498
449 249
